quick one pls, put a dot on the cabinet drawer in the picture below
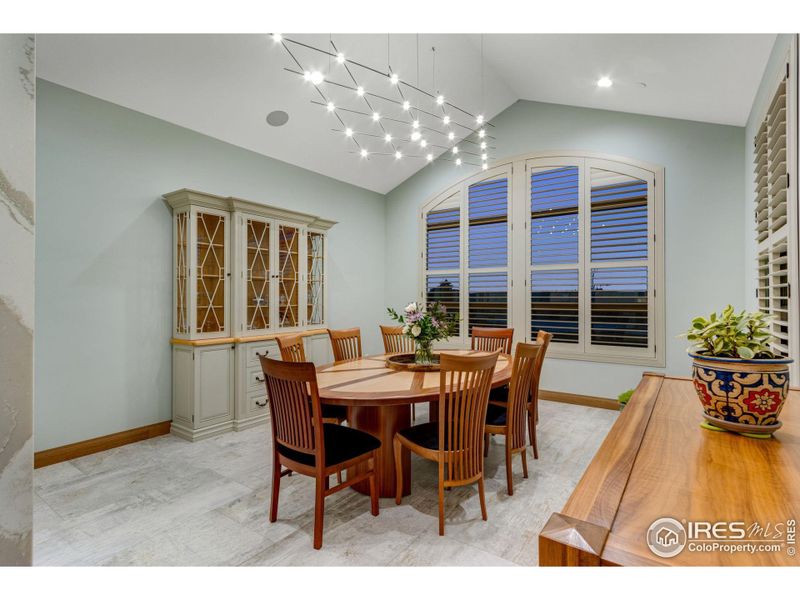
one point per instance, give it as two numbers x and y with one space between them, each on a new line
255 380
256 401
253 350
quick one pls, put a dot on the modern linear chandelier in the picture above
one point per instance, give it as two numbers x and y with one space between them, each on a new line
405 122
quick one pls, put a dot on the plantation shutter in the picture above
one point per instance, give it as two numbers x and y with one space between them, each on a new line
487 265
776 221
443 254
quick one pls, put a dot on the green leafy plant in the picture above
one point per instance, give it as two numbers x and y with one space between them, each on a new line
732 335
623 398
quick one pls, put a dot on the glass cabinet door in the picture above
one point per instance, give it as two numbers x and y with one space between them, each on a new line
181 234
211 272
288 276
315 278
257 274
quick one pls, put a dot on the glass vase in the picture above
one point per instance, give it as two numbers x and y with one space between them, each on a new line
424 352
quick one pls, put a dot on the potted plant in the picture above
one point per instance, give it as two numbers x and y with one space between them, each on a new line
425 326
623 398
740 382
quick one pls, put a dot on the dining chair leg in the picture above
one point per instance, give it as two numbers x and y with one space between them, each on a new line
441 498
373 485
486 440
482 494
413 413
398 469
509 476
524 463
532 434
339 476
319 513
276 488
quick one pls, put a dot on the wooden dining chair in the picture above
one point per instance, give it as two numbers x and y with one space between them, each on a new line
346 343
490 339
292 350
396 342
456 440
304 444
511 418
499 396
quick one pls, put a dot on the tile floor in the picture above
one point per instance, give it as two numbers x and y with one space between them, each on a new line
166 501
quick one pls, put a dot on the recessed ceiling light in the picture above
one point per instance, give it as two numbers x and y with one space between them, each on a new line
604 82
277 118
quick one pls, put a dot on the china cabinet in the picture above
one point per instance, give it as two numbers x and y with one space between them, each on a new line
244 273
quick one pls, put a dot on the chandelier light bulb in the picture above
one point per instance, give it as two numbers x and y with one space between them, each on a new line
440 100
388 137
423 143
376 117
429 157
446 120
479 119
406 105
485 166
415 136
484 156
482 133
458 162
360 91
348 132
394 79
277 37
483 145
398 154
314 77
331 107
451 136
364 153
415 124
340 58
455 149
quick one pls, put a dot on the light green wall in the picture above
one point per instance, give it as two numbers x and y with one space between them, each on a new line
704 222
104 255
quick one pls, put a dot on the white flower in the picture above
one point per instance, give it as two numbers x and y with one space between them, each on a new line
406 327
411 307
416 330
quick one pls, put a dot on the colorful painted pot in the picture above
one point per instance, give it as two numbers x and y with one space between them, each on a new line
741 395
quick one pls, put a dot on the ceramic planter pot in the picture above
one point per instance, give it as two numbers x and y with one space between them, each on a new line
745 396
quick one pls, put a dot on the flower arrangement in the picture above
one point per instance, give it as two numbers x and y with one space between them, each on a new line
426 325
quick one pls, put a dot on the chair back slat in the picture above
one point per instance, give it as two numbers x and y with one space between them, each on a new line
543 338
464 384
523 374
296 413
490 339
346 343
394 341
291 347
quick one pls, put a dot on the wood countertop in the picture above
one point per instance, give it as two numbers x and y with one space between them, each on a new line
657 462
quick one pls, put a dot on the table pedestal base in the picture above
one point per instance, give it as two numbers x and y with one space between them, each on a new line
383 422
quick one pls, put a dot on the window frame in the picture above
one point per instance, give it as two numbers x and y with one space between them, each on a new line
517 169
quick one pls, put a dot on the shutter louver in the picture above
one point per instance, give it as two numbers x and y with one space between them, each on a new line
443 239
444 289
488 300
619 217
619 307
554 304
554 216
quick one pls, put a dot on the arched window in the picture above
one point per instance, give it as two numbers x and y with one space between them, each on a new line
565 242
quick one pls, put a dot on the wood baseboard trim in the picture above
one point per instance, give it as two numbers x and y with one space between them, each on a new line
106 442
567 398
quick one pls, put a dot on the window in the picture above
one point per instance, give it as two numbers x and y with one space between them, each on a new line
587 266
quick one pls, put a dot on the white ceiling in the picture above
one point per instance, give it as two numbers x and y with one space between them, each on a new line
225 85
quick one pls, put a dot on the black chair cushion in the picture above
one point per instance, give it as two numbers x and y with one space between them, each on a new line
496 415
499 394
425 435
334 412
341 444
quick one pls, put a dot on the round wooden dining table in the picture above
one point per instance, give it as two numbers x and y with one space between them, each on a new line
379 399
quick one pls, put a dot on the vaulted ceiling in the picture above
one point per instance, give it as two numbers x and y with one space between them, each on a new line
224 86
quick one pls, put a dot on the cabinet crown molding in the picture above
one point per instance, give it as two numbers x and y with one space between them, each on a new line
186 197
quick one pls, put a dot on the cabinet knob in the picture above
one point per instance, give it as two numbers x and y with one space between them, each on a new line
261 404
259 379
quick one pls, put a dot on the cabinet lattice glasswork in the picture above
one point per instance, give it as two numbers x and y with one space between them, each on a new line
776 217
243 272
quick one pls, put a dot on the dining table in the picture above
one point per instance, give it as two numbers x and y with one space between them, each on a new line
378 400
